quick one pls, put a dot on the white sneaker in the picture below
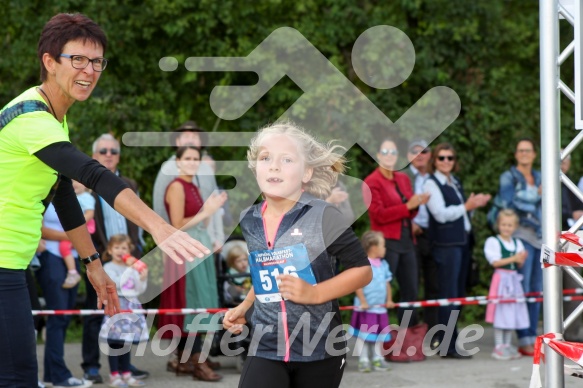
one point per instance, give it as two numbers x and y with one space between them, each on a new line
514 353
364 366
502 353
131 381
380 365
117 381
73 382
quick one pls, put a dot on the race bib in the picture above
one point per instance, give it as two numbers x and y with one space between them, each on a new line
266 265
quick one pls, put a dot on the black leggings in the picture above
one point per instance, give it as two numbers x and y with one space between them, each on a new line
120 363
263 373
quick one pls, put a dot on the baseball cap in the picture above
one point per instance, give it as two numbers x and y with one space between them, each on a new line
189 126
417 143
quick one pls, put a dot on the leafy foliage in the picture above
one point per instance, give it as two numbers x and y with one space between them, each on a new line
487 51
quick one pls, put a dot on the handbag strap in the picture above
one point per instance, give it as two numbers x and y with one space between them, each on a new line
403 198
405 221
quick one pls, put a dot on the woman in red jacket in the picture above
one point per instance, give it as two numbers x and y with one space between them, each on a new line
392 207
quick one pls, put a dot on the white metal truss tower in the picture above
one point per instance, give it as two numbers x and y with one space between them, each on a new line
550 11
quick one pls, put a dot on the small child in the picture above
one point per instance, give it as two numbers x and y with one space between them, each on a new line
369 319
87 203
293 237
125 327
238 263
506 254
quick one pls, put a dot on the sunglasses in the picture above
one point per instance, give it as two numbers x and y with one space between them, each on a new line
113 151
386 152
449 158
423 151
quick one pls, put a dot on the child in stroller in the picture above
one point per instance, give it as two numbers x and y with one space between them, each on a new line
238 284
234 281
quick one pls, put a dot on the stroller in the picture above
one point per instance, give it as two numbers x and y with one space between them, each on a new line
229 298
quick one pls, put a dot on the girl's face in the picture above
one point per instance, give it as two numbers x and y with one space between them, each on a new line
241 263
506 226
117 251
189 162
444 161
281 169
378 250
388 155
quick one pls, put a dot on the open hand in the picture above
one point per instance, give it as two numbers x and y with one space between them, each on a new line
337 196
215 201
417 200
178 245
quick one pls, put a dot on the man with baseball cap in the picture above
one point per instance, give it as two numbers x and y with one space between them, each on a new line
189 133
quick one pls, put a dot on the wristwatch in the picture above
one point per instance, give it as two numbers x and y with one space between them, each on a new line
91 258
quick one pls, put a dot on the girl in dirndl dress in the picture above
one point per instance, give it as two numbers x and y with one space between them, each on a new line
370 319
124 328
506 254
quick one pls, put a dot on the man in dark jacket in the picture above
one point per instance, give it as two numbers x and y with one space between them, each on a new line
108 222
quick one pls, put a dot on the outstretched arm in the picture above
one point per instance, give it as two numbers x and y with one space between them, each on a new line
69 161
73 222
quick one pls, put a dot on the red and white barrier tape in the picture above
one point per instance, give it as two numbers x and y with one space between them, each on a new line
184 311
475 300
549 257
571 350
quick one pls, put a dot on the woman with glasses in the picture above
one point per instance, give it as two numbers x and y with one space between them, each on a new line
392 207
38 162
450 231
520 190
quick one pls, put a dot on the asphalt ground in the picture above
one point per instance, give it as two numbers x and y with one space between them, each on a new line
482 371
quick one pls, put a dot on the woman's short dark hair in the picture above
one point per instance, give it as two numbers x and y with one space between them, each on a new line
64 28
438 148
181 150
528 140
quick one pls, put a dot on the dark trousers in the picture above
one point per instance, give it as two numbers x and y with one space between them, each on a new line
572 332
119 363
51 276
91 326
452 269
263 373
429 277
18 367
34 302
532 281
403 266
